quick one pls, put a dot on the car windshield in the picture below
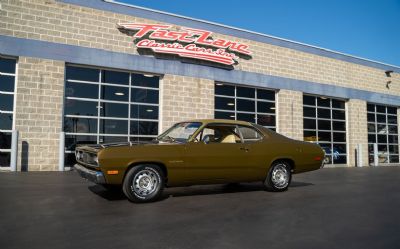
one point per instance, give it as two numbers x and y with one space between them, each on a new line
180 132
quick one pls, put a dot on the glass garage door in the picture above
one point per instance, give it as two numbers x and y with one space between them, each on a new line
383 130
250 104
106 106
7 89
325 123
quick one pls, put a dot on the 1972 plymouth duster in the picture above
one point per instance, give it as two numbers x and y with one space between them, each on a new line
199 152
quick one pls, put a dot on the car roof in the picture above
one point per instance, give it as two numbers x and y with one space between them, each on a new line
224 121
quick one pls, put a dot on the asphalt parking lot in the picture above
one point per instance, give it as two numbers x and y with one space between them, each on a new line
329 208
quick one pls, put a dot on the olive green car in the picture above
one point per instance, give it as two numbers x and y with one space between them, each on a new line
198 152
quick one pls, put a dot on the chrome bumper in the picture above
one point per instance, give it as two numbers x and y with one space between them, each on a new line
91 175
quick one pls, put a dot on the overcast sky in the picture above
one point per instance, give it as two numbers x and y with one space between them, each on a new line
364 28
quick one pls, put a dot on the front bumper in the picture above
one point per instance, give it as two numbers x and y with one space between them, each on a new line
91 175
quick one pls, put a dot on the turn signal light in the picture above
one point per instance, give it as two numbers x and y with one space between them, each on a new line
317 158
112 172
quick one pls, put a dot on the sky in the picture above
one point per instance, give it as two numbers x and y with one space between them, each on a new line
365 28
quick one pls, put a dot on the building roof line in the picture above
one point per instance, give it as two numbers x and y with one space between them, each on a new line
250 32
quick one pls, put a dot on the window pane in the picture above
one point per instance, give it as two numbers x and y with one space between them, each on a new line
5 159
144 128
6 102
394 159
224 90
324 125
324 136
382 129
83 74
371 138
336 114
370 108
78 107
339 137
392 119
81 90
392 110
382 138
245 105
6 121
7 65
7 83
309 123
310 136
144 111
339 159
144 95
394 149
80 125
309 112
267 107
113 77
114 110
371 127
111 126
322 101
324 113
245 92
371 117
72 141
225 115
381 118
5 140
339 149
145 80
69 159
338 103
115 93
381 109
246 117
224 103
265 94
393 139
339 126
393 129
308 100
265 120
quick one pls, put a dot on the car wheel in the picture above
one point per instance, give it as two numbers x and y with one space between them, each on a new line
279 177
144 183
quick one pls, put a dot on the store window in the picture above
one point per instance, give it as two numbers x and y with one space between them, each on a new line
250 104
106 106
7 89
383 130
325 123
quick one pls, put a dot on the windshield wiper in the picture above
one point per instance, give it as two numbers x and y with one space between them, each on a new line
169 138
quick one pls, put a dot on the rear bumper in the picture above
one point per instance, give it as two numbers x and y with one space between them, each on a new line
89 174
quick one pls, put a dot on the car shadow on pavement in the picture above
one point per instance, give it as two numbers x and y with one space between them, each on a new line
117 194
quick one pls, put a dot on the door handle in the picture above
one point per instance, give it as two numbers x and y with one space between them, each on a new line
245 149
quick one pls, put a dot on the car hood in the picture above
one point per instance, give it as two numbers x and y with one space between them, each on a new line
96 147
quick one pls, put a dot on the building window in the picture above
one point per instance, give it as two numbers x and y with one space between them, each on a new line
325 124
250 104
383 130
7 89
105 106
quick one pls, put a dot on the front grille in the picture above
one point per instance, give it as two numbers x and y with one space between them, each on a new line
86 157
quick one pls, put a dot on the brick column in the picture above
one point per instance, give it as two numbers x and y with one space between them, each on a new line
290 113
185 98
38 116
357 130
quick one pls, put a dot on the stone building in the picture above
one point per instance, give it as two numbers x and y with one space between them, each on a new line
102 71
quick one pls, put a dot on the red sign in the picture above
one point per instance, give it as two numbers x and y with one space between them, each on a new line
188 42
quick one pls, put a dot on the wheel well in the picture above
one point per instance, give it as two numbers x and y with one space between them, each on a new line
287 160
162 166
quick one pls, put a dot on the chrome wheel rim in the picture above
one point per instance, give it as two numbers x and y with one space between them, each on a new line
280 176
145 182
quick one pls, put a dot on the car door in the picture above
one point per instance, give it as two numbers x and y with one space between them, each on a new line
218 155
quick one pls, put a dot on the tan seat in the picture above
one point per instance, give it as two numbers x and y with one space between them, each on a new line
229 139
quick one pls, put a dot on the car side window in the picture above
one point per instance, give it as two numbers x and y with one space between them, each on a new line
220 134
250 134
